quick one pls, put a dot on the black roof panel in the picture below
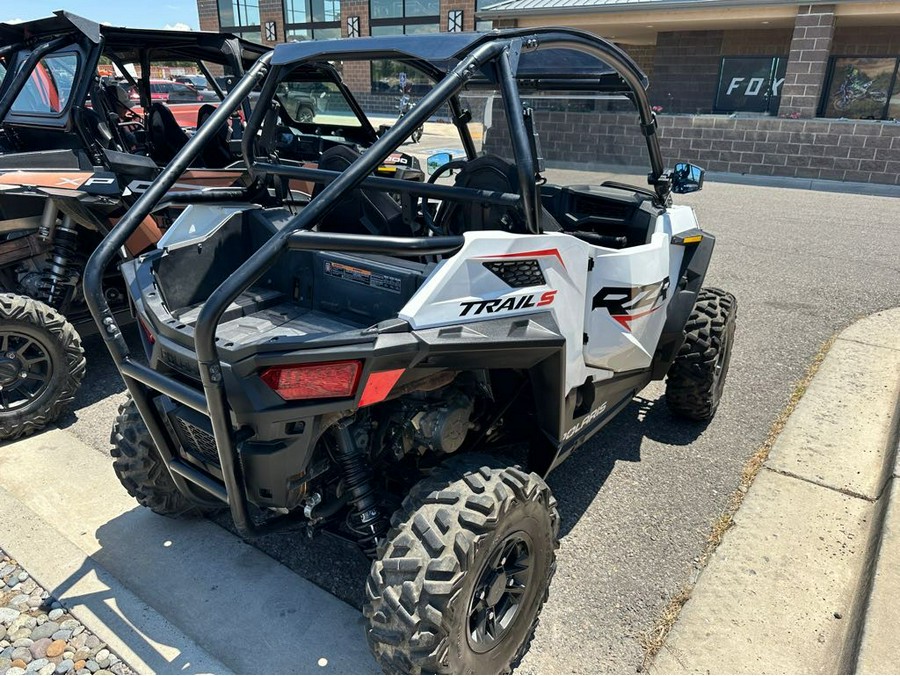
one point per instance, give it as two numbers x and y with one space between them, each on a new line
432 47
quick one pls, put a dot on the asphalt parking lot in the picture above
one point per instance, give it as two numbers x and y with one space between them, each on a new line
637 502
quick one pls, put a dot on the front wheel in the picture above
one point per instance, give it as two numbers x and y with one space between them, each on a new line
41 365
696 378
465 571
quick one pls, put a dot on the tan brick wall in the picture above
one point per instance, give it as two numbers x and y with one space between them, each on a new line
356 75
468 8
209 15
808 60
271 10
358 8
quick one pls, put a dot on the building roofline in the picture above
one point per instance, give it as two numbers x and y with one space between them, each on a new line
506 8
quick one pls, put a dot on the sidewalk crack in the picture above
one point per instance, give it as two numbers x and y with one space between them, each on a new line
862 342
842 491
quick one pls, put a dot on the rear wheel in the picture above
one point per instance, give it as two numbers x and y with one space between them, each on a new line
465 571
41 365
696 378
140 467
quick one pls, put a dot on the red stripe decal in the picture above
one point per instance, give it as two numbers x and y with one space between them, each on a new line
530 254
378 386
625 320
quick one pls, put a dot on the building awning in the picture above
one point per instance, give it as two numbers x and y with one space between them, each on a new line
505 8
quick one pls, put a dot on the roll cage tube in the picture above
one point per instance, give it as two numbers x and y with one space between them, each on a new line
515 119
108 248
628 71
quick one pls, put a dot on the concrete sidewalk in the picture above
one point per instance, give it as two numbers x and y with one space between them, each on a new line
168 596
807 579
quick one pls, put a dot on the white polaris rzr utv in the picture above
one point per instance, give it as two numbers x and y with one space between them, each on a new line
402 362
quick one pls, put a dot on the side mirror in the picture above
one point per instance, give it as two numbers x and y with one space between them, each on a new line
687 178
436 161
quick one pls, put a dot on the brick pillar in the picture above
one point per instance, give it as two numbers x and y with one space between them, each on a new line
271 10
209 15
356 74
808 60
468 10
358 8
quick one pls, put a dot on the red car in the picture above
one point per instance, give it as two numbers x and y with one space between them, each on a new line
169 91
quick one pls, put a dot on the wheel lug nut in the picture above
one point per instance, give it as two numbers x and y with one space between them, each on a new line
10 355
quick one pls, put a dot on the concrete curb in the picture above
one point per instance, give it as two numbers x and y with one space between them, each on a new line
169 596
806 580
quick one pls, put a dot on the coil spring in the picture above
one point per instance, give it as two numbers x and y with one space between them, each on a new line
60 278
365 520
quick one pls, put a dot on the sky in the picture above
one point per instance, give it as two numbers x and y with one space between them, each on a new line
177 14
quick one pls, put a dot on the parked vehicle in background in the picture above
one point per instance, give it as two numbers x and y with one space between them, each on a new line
74 154
173 92
198 81
401 363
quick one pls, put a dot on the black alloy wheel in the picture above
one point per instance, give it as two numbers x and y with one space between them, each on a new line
498 593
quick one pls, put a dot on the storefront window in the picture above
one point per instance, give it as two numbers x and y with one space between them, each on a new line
396 17
863 88
237 14
750 84
312 19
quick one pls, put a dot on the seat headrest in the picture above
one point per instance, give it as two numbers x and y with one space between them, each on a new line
118 94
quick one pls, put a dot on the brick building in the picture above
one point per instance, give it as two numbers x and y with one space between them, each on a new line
802 88
776 57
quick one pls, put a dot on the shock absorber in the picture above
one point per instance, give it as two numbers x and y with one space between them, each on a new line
60 277
365 519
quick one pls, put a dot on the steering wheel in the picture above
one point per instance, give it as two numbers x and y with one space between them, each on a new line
432 223
444 168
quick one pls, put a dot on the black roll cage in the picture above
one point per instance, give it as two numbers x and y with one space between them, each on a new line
497 52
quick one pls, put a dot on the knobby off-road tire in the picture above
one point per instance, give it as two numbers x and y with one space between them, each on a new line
140 468
443 549
41 365
696 378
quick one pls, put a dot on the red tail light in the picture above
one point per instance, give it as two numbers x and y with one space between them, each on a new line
150 337
314 381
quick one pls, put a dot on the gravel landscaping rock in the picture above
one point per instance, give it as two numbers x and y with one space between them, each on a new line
45 630
23 654
56 648
38 635
36 665
39 648
7 615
